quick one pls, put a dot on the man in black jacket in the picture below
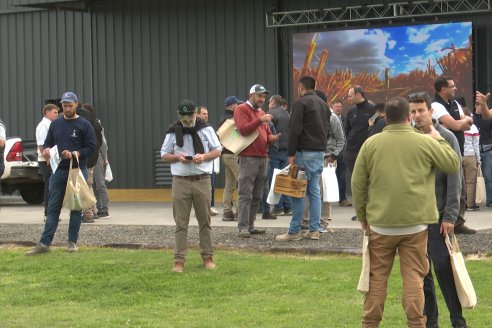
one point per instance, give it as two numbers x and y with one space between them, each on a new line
356 131
308 135
230 160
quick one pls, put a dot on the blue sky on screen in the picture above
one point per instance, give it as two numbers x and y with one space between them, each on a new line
402 48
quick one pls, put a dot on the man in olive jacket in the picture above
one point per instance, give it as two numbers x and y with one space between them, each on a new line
391 183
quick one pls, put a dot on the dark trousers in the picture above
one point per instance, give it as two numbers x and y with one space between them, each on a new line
45 170
340 172
439 257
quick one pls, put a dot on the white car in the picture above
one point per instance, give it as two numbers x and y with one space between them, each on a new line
22 170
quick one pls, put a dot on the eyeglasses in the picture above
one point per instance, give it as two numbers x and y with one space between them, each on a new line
418 95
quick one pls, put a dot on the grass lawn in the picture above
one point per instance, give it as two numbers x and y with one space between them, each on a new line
99 287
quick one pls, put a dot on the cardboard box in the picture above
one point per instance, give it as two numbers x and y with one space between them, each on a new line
290 187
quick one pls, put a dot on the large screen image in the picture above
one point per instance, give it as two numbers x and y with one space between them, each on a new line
387 61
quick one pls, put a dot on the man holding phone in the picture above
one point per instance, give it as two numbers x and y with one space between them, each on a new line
190 146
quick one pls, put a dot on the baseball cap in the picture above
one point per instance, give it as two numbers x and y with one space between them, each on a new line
69 97
186 107
232 100
258 89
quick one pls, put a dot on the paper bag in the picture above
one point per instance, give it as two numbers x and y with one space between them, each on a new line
363 285
78 195
464 286
330 184
231 139
480 195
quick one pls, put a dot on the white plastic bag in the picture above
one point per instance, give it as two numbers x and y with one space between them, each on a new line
273 198
330 184
108 175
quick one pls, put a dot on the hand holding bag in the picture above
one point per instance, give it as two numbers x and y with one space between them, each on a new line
464 286
363 285
330 184
480 191
78 196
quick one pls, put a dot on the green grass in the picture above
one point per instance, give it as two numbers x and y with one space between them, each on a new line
136 288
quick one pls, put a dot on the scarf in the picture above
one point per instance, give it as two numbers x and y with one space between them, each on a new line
179 130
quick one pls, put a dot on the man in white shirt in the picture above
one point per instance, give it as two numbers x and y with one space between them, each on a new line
50 113
449 113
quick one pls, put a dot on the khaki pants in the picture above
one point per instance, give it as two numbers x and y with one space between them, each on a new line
231 168
188 193
414 266
470 170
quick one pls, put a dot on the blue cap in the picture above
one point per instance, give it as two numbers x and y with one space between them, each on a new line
69 97
232 100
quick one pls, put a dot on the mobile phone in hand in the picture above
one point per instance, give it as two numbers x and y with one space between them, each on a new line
189 157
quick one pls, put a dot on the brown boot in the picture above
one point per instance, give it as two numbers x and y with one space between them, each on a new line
208 263
178 266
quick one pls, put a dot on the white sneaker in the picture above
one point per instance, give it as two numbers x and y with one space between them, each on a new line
72 247
213 211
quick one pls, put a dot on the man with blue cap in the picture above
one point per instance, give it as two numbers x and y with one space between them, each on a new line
74 137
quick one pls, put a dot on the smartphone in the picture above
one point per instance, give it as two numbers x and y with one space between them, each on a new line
374 117
189 157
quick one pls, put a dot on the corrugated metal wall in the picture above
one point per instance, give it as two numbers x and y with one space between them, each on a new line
150 55
135 60
42 54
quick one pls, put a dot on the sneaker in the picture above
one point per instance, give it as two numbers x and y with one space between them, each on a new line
257 231
40 249
473 208
288 237
72 247
244 234
288 211
463 229
488 203
314 235
103 215
87 220
209 264
322 229
268 216
213 211
277 211
178 267
344 203
228 216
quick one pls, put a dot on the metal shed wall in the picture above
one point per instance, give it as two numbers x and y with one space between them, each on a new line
150 55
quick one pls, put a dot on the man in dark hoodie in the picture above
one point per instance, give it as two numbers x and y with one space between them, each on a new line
448 190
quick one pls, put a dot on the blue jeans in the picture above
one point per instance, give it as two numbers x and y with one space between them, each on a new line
278 160
58 184
340 172
486 158
312 162
439 256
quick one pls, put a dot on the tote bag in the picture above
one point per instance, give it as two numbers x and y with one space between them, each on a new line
78 196
480 191
464 286
231 138
330 184
363 285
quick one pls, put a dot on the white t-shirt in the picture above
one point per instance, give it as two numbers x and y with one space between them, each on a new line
439 110
3 133
41 134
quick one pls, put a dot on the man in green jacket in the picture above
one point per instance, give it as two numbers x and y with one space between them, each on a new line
391 183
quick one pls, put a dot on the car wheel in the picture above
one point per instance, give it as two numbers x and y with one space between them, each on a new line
33 194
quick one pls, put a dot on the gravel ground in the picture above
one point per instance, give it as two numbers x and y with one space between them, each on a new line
159 236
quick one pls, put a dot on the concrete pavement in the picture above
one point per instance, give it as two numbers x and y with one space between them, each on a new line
14 210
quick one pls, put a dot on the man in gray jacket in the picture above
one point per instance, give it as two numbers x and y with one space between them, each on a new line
448 190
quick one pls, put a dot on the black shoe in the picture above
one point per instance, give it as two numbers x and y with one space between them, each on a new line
488 204
473 208
463 229
277 211
354 218
268 216
228 216
256 231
